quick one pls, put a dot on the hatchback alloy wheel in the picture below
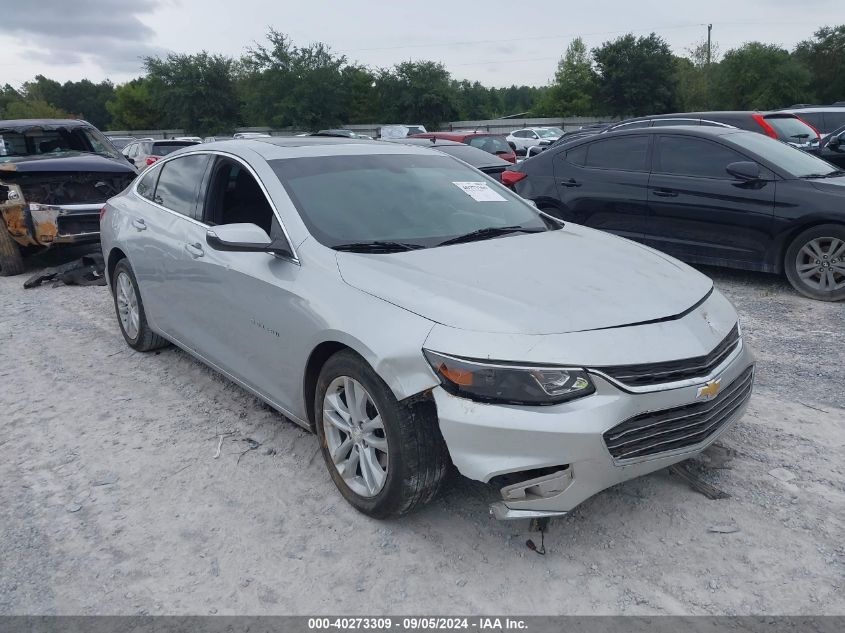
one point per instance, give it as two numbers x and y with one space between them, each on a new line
355 436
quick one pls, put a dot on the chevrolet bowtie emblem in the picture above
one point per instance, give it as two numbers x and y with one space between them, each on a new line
710 390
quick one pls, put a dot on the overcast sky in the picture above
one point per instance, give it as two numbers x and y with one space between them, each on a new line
495 42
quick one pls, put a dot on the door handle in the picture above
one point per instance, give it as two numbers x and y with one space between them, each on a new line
570 183
665 193
139 224
195 250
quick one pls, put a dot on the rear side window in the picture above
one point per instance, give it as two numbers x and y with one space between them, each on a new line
688 156
791 129
626 153
577 155
179 184
147 184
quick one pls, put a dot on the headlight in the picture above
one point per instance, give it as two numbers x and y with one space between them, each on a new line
491 381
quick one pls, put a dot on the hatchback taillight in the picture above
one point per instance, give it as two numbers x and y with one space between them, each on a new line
510 178
151 159
103 211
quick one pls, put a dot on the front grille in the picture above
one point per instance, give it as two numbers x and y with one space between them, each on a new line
670 429
671 371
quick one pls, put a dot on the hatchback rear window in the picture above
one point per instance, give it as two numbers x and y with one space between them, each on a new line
163 149
490 144
791 129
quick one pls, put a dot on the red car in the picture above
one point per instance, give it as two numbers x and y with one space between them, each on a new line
492 143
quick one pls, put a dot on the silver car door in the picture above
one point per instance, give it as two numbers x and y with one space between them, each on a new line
245 310
170 224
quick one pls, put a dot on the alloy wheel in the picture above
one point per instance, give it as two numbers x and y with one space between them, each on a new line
127 305
820 264
355 436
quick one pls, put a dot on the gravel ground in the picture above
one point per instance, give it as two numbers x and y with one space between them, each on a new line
113 501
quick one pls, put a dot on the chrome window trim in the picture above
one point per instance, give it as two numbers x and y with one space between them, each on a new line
294 258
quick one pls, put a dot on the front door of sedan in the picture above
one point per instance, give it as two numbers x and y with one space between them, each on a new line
603 184
700 212
242 306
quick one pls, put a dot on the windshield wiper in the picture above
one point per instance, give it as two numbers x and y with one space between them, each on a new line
377 246
490 231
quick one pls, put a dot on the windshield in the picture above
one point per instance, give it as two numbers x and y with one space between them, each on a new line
53 141
549 133
412 199
791 129
793 161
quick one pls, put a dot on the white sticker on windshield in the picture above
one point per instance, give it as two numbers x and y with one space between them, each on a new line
479 191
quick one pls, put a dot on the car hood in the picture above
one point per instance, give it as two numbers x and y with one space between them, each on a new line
832 185
70 161
568 280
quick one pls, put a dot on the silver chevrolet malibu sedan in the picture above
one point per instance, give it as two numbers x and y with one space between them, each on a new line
417 314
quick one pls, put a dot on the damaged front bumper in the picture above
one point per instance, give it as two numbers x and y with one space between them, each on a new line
555 457
33 224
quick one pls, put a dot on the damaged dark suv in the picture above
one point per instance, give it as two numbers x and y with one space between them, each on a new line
55 176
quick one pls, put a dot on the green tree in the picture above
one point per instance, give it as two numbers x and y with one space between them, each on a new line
285 85
824 57
696 78
88 100
759 76
574 87
417 92
33 109
636 76
132 107
194 92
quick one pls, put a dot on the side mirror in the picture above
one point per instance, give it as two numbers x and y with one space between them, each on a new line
744 170
834 142
244 238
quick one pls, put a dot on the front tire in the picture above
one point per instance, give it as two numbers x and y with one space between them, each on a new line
130 310
386 457
11 259
815 262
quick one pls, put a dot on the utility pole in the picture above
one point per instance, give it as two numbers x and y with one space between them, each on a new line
709 28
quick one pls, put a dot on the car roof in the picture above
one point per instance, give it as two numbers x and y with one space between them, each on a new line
831 108
697 130
279 147
12 123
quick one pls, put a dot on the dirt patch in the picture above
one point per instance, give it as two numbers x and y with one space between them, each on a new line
114 500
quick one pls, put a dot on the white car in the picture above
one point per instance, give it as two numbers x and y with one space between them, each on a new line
527 137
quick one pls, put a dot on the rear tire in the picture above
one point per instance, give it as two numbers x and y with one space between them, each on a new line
400 442
130 310
11 259
815 262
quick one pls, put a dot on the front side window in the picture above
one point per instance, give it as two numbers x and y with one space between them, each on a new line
411 199
234 196
688 156
627 153
179 183
794 162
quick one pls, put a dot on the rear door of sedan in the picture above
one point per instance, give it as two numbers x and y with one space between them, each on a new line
698 211
603 183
